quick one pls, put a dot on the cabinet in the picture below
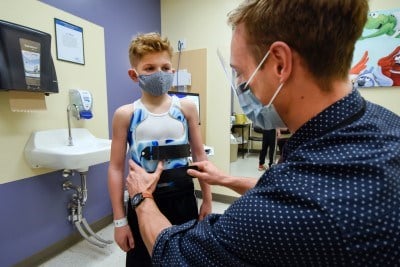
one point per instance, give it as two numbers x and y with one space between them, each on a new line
195 62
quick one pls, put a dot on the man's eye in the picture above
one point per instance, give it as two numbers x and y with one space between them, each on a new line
236 74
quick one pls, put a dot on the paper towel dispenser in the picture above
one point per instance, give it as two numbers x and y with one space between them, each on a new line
25 59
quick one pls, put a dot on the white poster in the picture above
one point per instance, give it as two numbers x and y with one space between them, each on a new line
69 42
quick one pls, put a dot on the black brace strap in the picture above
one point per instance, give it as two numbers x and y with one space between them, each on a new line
166 152
173 176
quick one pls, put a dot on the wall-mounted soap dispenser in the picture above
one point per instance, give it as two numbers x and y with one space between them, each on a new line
83 102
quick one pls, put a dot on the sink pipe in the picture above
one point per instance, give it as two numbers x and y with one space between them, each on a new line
75 207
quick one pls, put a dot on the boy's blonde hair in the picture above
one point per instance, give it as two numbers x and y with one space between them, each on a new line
147 43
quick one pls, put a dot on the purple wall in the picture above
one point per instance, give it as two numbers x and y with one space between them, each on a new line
121 20
34 210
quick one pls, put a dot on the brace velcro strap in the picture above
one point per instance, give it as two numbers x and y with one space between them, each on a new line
120 222
171 177
166 152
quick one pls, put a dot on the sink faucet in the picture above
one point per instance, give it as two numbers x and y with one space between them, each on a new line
69 107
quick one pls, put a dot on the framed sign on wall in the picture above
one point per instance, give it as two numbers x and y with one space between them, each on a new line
69 42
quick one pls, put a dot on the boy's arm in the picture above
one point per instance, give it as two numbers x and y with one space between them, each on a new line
116 181
197 148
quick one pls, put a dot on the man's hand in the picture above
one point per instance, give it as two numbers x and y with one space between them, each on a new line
139 180
207 173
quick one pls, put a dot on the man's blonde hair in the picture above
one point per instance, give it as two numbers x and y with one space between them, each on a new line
147 43
323 32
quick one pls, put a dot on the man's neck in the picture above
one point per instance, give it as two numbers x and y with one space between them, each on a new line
308 100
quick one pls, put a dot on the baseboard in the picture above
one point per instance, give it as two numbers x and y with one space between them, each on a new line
62 245
218 197
252 150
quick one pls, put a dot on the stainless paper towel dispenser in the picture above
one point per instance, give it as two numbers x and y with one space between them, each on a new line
25 59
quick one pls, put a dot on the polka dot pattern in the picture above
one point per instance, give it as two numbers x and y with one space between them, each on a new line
333 201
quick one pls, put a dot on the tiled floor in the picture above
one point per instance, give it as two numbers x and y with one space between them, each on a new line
88 255
247 166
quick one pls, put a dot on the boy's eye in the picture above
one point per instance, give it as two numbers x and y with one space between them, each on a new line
166 68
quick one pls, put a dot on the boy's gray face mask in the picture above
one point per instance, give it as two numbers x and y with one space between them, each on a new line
157 83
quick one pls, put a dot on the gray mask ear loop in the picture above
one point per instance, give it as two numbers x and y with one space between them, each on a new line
138 76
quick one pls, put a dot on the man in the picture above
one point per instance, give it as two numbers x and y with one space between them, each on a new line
335 197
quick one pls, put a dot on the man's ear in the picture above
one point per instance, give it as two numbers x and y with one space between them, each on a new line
132 73
283 56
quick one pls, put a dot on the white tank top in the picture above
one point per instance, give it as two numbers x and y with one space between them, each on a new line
149 129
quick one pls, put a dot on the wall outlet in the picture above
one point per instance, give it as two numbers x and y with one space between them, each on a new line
182 44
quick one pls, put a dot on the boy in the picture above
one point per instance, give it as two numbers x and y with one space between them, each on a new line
154 122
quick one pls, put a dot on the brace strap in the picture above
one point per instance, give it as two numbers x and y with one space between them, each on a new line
166 152
175 176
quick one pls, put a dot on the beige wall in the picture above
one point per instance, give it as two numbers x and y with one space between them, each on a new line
203 23
376 5
15 127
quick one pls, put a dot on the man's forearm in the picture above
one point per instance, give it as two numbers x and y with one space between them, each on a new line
239 184
151 222
209 174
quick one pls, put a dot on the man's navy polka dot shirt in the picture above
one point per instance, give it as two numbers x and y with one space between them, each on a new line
333 201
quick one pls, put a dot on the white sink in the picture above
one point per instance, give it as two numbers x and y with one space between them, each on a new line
50 149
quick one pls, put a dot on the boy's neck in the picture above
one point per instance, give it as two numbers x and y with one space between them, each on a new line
156 104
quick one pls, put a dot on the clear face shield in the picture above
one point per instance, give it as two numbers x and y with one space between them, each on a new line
231 75
266 116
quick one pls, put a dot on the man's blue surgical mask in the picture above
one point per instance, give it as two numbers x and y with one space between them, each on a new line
265 117
157 83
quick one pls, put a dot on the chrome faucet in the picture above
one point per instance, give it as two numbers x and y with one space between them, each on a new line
69 107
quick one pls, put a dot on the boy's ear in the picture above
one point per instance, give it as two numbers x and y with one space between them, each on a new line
132 73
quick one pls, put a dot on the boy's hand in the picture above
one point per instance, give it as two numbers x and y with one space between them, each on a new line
124 238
